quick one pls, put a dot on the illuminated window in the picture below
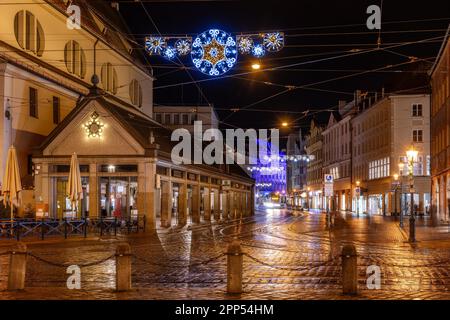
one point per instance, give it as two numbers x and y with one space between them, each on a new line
379 168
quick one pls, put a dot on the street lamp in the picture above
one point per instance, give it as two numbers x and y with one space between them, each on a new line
395 194
256 66
401 165
307 197
412 155
357 198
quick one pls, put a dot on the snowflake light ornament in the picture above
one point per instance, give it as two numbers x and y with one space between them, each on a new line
183 46
245 44
274 41
155 45
214 52
258 51
170 53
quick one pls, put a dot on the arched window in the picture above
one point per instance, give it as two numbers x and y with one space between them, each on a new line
136 93
109 78
29 33
75 58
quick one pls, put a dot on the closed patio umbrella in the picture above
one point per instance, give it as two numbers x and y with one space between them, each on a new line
74 188
11 180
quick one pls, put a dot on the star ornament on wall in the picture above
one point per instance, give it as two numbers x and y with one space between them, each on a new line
94 128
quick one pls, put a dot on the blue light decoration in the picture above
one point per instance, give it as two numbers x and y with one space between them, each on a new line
155 45
183 47
245 44
273 42
170 53
214 52
258 51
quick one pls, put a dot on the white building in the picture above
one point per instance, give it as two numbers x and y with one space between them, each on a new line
382 133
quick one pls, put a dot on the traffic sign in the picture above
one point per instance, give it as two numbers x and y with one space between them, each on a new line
329 178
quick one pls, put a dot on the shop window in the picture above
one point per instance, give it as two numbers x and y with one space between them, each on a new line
136 93
29 33
109 78
75 58
118 168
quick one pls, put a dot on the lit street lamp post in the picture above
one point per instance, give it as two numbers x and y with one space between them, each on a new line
412 155
357 199
395 194
401 165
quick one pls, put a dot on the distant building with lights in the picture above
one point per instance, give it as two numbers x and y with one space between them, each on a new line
337 154
296 168
314 175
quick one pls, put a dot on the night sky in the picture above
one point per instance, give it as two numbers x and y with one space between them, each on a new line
314 30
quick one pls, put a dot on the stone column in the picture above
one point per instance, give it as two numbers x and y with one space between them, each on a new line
225 205
216 204
232 205
146 189
94 210
166 204
195 209
182 204
207 203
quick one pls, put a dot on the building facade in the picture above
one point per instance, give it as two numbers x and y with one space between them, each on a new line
45 68
337 155
440 134
383 131
314 175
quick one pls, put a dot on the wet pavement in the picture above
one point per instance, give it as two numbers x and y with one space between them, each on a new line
287 256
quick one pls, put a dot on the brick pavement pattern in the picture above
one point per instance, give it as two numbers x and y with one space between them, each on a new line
288 256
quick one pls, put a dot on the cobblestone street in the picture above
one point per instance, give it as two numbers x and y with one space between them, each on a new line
287 256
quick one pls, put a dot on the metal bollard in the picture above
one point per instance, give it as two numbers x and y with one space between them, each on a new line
234 268
17 267
349 270
123 267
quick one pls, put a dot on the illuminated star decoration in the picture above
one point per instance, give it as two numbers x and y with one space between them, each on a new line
258 51
273 42
94 128
214 52
183 46
155 45
245 44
